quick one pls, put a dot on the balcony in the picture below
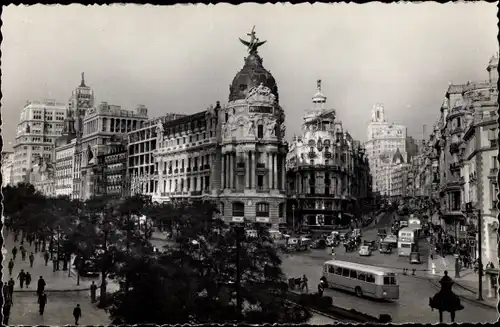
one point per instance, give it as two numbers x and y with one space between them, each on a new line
176 170
262 189
493 173
188 169
195 168
493 143
206 166
311 155
195 193
240 167
170 170
181 170
328 154
494 205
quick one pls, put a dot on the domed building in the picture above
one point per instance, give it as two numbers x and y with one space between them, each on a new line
328 175
253 145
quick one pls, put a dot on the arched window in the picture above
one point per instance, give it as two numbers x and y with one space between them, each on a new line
262 209
281 210
238 209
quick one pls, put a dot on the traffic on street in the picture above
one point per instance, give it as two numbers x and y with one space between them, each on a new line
414 290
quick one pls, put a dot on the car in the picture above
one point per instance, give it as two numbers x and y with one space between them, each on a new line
364 251
392 239
385 247
415 258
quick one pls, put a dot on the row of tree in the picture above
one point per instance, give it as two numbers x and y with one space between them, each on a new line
212 273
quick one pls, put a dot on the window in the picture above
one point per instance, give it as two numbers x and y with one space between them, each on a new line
338 271
260 181
370 278
345 272
361 276
331 270
389 280
262 209
260 131
238 209
494 162
226 117
281 210
353 274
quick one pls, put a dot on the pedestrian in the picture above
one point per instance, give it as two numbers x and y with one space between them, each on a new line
10 285
16 236
304 283
14 252
93 291
40 288
77 313
321 288
42 301
21 277
11 266
28 279
32 259
46 257
23 253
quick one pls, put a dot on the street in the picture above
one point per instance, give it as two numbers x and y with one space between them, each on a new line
413 304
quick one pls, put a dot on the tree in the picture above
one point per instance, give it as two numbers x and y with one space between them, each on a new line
196 278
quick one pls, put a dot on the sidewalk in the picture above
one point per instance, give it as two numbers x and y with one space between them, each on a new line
466 286
58 281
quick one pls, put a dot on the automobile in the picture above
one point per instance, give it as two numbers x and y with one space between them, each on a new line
415 258
385 247
364 250
318 244
391 239
372 245
86 267
382 232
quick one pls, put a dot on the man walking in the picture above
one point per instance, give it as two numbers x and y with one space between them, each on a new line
321 288
11 266
304 283
46 257
32 259
21 277
23 253
40 286
28 279
10 286
42 301
77 313
14 252
93 291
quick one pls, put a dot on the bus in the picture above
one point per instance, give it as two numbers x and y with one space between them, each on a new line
364 280
406 241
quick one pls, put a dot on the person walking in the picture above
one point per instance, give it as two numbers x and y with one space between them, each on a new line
42 301
32 259
14 252
23 253
40 288
93 291
11 266
10 286
46 257
321 288
28 279
21 277
304 283
77 313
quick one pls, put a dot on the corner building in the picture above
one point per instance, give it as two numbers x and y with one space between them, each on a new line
253 148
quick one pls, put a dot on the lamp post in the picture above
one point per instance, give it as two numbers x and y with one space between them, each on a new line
469 210
293 219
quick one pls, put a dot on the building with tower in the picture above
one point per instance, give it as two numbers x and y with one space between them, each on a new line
328 176
41 123
384 139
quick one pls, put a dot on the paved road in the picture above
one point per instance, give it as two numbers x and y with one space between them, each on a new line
58 312
413 304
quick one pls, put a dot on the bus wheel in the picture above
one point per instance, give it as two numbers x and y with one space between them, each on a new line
358 291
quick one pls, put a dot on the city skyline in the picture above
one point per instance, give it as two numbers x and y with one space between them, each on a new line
125 70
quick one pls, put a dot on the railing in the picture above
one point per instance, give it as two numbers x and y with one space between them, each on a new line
206 167
188 169
262 214
195 193
240 165
176 170
181 170
493 172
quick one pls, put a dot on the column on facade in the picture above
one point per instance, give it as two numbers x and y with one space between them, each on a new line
283 173
253 170
247 166
275 171
231 169
269 170
223 167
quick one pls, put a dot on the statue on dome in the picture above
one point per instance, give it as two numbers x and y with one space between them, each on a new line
254 43
159 126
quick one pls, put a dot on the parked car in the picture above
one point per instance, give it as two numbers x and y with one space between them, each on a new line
415 258
385 247
372 245
391 239
365 251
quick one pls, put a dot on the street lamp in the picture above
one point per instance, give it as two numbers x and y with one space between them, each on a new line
293 218
479 249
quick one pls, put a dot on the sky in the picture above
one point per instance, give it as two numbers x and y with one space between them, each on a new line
182 58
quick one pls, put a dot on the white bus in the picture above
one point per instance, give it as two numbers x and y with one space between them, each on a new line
364 280
406 241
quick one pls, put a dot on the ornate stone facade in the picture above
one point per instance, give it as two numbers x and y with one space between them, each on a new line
327 173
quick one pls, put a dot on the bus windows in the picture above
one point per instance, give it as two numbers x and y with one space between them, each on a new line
345 272
331 269
338 271
389 280
353 274
370 278
361 276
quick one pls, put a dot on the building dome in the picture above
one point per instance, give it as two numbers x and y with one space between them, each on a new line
252 74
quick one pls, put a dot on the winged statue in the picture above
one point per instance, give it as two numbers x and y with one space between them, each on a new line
254 42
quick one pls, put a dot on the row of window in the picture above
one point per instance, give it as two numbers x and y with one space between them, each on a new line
359 275
261 209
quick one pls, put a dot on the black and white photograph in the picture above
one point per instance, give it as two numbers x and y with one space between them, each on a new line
278 163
